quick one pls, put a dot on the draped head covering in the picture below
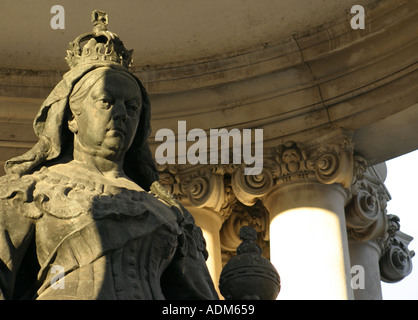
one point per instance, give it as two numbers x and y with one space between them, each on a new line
50 125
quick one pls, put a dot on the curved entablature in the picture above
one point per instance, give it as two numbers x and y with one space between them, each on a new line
295 89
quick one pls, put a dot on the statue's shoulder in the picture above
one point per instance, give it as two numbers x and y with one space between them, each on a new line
16 195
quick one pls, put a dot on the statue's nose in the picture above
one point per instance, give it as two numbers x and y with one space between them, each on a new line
119 111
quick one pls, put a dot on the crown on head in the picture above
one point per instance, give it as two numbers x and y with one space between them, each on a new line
102 45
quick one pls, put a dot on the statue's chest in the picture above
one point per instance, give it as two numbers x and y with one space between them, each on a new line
65 198
112 214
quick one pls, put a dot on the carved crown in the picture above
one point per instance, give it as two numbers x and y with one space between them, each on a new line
100 45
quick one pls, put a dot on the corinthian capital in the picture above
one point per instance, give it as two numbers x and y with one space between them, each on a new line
365 214
396 259
249 188
327 160
201 187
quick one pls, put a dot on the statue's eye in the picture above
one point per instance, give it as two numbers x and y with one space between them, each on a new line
105 102
132 106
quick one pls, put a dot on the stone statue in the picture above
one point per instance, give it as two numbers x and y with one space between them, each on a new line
82 215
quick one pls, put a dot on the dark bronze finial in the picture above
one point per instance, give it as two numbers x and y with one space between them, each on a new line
249 276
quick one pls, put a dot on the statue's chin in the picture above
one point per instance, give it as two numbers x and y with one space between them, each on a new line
113 148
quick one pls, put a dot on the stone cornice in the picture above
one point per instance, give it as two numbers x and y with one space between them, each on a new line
303 87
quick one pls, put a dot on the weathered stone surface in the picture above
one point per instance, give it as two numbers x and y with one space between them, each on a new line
76 220
297 86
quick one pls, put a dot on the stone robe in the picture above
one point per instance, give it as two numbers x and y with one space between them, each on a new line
64 236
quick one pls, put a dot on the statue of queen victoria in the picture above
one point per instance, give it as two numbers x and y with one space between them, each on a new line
84 205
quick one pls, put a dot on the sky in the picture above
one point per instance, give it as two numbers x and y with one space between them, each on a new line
401 181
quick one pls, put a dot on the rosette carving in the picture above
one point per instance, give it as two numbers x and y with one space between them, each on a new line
326 166
396 263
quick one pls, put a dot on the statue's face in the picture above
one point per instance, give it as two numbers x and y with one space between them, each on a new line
107 119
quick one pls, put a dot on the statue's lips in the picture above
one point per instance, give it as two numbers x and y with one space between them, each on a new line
116 132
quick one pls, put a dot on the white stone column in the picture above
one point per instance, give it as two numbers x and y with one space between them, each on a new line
367 224
378 249
210 222
364 257
308 236
308 241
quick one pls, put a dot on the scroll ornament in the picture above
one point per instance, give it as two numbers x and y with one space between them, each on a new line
396 259
366 213
203 187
